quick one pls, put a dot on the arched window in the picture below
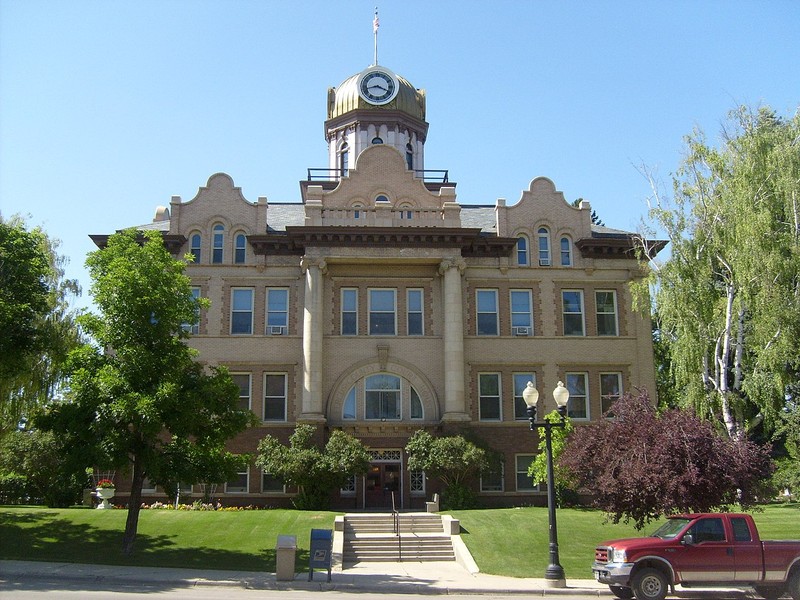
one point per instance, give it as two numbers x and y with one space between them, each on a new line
357 211
566 252
382 397
381 198
410 157
194 247
349 407
377 140
219 242
344 160
544 247
416 405
240 252
522 251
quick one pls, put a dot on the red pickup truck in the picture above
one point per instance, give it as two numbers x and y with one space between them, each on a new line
714 549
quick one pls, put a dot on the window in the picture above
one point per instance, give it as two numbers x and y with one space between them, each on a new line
416 481
610 390
194 328
240 250
520 383
544 247
572 301
489 406
524 483
194 247
242 380
242 311
357 211
344 159
414 311
492 480
522 251
521 312
410 157
219 242
566 252
349 406
349 312
349 487
382 397
606 303
275 396
277 311
382 314
270 484
381 198
708 530
416 405
578 405
238 485
405 212
377 140
741 530
486 301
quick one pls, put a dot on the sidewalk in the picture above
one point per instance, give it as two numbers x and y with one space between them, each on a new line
404 577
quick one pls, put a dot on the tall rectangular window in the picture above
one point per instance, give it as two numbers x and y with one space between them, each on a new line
194 247
271 484
566 252
275 397
239 484
242 380
572 306
240 249
194 327
414 312
382 397
486 303
610 390
578 405
492 480
606 303
521 312
382 312
524 482
218 239
242 311
522 251
520 383
277 311
349 311
489 404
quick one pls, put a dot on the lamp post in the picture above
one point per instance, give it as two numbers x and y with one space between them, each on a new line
554 574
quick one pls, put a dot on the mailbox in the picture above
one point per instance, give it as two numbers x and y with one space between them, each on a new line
319 556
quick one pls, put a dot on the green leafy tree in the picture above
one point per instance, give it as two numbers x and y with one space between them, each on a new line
787 436
139 401
454 460
33 372
314 470
727 297
558 441
595 219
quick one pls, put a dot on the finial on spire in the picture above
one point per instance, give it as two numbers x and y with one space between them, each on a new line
375 25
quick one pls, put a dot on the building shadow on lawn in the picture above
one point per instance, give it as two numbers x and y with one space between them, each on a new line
41 537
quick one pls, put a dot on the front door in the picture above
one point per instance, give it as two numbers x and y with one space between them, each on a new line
381 480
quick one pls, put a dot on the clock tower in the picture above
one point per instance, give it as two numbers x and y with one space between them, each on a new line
375 106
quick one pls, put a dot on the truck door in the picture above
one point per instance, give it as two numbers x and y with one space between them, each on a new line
747 551
709 556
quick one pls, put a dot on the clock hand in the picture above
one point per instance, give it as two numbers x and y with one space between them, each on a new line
380 87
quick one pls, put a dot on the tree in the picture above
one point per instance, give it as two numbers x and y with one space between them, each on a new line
787 436
139 400
640 464
50 330
315 471
726 299
452 459
558 441
595 219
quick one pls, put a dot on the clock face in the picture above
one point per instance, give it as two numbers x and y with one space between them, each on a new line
378 87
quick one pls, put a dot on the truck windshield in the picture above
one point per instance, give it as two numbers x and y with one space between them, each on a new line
670 529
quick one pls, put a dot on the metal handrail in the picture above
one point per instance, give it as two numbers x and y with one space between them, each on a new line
396 524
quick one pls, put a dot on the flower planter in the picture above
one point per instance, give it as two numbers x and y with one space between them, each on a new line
104 495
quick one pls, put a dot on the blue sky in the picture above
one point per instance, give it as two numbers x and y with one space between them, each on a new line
109 108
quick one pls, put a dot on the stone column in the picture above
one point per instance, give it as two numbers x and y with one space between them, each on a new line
312 409
455 406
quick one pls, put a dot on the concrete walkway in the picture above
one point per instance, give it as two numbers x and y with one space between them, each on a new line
403 577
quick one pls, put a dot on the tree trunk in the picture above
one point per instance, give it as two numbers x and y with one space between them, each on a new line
134 505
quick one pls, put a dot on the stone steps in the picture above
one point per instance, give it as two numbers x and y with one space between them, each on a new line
371 537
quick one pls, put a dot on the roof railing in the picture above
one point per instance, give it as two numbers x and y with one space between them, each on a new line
427 175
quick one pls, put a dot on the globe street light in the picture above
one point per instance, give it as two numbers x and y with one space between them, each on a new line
554 574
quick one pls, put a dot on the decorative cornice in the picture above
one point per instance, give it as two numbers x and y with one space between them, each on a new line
622 246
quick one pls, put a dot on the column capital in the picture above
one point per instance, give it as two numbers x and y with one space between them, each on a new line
307 262
452 263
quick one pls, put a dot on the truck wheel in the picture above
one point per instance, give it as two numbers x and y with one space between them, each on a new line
769 592
649 584
623 593
794 585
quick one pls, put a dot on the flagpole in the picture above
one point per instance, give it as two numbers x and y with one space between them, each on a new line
375 25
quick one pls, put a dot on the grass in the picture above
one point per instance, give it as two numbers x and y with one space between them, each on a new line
511 542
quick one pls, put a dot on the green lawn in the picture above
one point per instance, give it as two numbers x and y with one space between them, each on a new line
503 541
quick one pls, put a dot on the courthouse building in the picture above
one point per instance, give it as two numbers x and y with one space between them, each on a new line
379 304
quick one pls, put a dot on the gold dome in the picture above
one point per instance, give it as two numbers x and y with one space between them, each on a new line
345 98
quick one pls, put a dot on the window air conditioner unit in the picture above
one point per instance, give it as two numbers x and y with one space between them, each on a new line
544 262
277 330
521 330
